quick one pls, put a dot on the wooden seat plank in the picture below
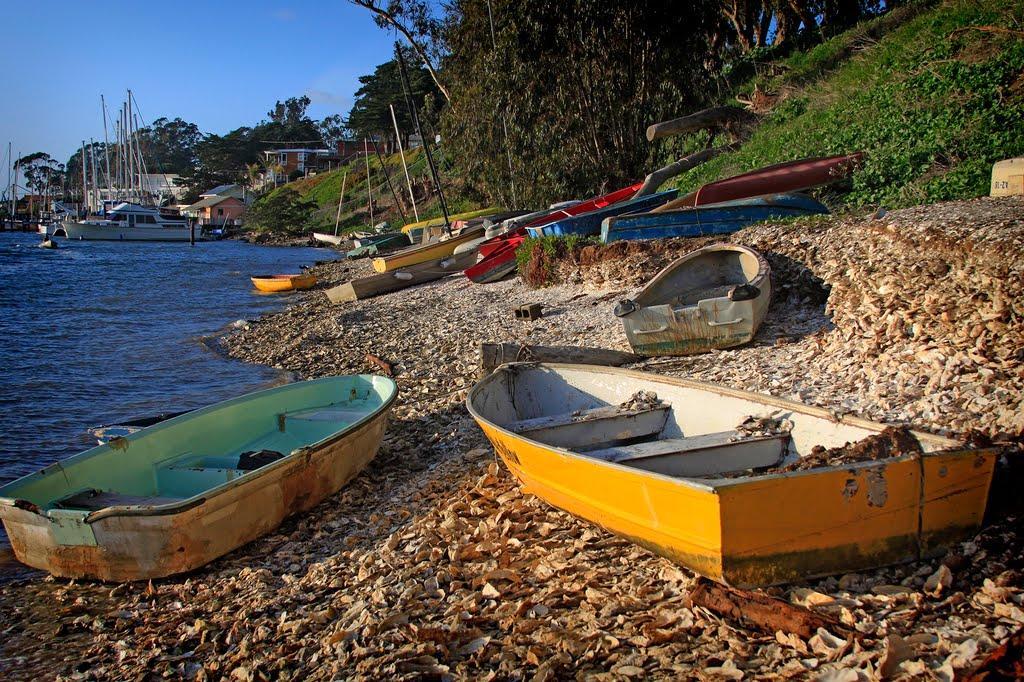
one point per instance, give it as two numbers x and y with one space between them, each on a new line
598 426
702 455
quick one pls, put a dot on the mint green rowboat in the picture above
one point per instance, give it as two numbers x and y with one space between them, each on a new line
173 497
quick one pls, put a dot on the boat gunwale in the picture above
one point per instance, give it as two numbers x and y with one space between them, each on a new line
714 485
188 503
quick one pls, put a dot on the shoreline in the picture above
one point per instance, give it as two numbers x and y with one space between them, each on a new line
434 562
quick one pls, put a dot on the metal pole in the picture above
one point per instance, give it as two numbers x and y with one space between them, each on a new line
341 196
401 153
387 176
426 147
369 190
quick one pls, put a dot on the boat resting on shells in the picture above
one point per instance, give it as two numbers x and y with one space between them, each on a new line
669 464
175 496
279 283
714 297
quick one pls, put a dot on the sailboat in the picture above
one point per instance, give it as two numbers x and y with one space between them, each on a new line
128 213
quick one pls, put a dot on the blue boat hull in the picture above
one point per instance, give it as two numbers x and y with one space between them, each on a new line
590 223
723 218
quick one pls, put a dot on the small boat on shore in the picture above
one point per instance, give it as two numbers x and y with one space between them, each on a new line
425 252
280 283
589 223
710 477
177 495
791 176
715 297
722 218
331 239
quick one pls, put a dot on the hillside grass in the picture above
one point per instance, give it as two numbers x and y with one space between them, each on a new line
932 99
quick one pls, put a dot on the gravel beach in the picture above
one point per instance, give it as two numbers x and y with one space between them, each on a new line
432 564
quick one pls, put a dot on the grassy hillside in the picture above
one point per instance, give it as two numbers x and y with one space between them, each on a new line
324 189
934 93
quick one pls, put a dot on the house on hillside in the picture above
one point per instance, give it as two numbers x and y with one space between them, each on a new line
222 206
283 163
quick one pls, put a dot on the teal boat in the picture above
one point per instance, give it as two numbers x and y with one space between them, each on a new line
177 495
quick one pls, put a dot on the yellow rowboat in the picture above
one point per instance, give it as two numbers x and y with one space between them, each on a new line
278 283
425 252
673 473
458 216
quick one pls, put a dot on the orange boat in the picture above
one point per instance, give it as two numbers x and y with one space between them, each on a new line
278 283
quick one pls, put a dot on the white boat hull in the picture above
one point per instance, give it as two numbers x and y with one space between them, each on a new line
92 231
328 238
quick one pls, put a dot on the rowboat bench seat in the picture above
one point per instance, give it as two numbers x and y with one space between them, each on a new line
703 455
607 425
91 499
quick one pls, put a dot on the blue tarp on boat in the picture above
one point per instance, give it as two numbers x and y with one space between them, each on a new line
722 218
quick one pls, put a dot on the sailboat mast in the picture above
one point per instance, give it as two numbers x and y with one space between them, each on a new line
369 189
130 151
401 154
85 183
10 178
95 176
106 144
341 196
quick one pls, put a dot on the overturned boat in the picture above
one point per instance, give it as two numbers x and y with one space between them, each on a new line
177 495
726 482
715 297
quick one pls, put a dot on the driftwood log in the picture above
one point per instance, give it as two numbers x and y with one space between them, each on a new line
758 610
653 181
727 117
494 354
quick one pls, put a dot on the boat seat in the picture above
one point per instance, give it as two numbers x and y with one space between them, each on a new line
91 500
704 455
598 426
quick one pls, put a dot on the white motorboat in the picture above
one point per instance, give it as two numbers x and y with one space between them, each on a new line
130 222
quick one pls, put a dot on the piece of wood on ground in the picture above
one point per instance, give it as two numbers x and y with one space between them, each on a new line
655 180
494 354
384 365
758 610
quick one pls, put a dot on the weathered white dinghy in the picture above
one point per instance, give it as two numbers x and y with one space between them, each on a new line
715 297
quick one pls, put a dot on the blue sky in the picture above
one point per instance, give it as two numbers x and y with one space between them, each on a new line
217 64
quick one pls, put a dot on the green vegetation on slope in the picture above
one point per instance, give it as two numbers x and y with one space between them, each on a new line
934 103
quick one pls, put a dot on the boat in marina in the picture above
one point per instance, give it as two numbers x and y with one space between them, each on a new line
714 297
589 222
177 495
280 283
791 176
130 222
722 218
701 474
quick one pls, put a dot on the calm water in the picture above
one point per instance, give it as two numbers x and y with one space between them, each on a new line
99 331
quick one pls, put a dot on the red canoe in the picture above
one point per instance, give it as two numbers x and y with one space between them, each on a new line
498 254
791 176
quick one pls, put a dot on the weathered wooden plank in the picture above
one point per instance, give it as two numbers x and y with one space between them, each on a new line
706 118
374 285
598 426
494 354
758 610
704 455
